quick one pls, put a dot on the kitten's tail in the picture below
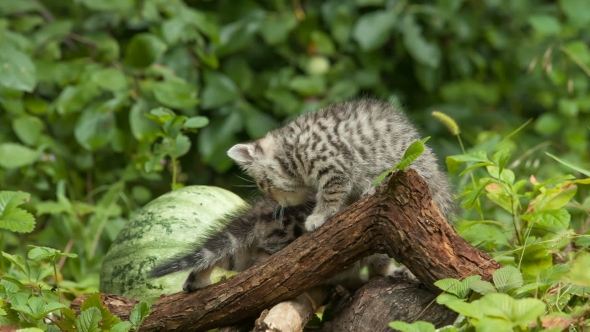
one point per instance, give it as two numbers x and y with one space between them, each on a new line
176 264
237 236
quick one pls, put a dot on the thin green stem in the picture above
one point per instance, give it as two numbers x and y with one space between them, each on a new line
56 280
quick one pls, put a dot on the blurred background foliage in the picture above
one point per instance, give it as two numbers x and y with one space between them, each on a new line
78 79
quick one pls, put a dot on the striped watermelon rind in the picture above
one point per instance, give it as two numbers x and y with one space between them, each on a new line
168 225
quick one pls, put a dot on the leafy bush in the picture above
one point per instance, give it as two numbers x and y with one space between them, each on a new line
106 103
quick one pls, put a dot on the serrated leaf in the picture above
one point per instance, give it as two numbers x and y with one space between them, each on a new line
13 218
196 122
414 327
139 313
526 311
482 287
412 153
38 253
507 278
464 308
549 220
122 327
88 320
108 320
29 329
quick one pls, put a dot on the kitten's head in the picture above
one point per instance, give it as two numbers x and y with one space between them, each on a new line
259 160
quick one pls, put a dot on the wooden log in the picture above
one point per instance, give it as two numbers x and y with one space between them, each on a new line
400 219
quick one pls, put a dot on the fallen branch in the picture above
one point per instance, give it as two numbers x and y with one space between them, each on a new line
400 220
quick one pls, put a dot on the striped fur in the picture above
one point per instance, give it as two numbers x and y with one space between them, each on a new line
335 154
251 236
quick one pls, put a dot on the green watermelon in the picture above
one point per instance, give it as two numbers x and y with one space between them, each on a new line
166 226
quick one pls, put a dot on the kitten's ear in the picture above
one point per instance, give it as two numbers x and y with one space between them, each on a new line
242 154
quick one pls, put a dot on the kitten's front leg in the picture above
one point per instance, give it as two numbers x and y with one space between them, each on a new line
331 198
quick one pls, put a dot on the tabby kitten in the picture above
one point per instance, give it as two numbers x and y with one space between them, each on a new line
251 236
335 154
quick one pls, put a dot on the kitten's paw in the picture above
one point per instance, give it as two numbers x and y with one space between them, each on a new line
404 272
193 283
314 222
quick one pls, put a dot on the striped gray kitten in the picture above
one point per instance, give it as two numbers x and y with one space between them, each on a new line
251 236
335 154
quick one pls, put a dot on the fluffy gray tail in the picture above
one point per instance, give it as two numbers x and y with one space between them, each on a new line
179 263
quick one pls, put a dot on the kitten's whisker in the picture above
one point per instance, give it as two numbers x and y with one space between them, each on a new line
274 214
246 185
245 179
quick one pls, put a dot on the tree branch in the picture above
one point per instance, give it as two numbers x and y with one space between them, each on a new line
400 219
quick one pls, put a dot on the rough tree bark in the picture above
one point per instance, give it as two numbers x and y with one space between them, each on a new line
400 219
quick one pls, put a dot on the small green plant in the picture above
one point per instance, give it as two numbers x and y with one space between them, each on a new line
412 153
173 143
538 229
33 294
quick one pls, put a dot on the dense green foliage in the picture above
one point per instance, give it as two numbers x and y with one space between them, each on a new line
106 104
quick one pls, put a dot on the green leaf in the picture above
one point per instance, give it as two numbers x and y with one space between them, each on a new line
108 320
14 155
322 43
482 287
111 79
122 327
143 50
518 312
196 122
308 85
414 327
579 271
465 309
570 165
95 129
576 11
139 313
39 253
548 123
549 220
88 320
545 25
276 28
108 5
372 30
12 217
16 69
173 29
175 94
219 90
507 278
419 48
28 129
142 128
412 153
19 262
